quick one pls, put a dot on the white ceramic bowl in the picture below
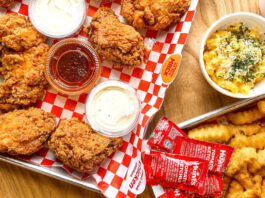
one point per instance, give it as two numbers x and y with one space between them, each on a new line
250 20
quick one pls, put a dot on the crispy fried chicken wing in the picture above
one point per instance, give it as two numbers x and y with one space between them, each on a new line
153 14
24 80
79 147
114 40
18 33
6 3
23 132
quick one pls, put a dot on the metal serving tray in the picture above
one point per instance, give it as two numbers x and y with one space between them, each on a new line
90 183
218 112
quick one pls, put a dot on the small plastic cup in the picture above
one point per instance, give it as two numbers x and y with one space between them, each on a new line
45 32
102 128
51 70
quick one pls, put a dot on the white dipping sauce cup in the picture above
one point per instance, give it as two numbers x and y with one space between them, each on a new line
47 32
126 122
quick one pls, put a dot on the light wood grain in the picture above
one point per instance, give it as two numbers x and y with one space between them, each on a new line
262 7
189 96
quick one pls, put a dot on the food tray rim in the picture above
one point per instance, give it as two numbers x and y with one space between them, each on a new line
219 112
92 186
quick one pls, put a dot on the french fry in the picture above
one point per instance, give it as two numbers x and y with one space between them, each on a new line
258 140
235 190
251 184
261 172
256 189
226 183
240 159
239 141
261 106
243 177
248 194
255 141
211 133
259 163
245 117
263 189
248 129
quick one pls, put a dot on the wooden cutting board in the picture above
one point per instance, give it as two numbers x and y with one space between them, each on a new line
188 96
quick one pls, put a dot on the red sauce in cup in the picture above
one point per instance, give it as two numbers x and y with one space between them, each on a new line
72 67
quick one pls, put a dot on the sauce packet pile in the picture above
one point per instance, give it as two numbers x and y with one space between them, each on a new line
182 172
185 167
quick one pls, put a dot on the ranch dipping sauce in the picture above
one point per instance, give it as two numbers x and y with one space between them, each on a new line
112 108
57 18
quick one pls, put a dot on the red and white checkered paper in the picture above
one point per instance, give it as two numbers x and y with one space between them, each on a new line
146 79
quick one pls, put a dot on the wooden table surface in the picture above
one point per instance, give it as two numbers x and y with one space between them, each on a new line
188 96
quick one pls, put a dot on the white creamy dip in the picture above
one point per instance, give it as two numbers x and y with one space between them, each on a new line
57 17
112 108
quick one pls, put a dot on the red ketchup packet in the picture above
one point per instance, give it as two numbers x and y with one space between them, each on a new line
175 171
213 187
218 155
164 135
176 193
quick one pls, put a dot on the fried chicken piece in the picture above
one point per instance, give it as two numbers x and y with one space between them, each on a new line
6 3
79 147
23 132
153 14
18 33
24 80
114 40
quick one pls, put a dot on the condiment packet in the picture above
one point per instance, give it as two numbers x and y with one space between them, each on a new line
213 187
179 145
171 170
176 193
164 135
218 155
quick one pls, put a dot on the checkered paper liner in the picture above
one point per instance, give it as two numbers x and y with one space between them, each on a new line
110 176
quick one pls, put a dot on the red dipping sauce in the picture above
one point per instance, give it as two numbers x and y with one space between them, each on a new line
72 67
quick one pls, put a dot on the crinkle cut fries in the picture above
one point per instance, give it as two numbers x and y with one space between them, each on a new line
244 131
